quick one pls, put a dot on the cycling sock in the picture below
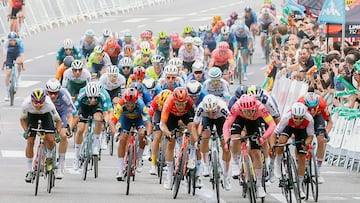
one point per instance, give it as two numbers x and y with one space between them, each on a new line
170 169
61 160
192 152
49 153
258 173
29 164
235 158
198 164
205 157
139 154
153 160
267 162
121 163
245 68
7 89
96 140
77 151
301 179
226 167
319 162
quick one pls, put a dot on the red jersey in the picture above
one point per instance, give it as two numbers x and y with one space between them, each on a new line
287 120
220 60
169 107
322 107
17 3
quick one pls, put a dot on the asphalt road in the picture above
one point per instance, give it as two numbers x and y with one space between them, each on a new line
41 48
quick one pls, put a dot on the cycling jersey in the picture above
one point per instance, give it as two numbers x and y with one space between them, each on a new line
321 109
271 104
152 45
139 112
164 48
250 20
189 56
287 120
12 52
164 85
82 101
68 76
221 111
108 85
112 51
266 22
231 40
150 72
27 107
124 43
139 62
170 108
85 48
223 91
17 3
191 76
64 105
75 53
210 42
95 64
218 59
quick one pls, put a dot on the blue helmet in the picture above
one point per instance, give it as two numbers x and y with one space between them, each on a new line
311 99
13 35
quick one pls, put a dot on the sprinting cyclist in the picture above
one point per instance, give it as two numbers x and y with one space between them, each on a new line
163 46
98 61
188 53
67 49
88 43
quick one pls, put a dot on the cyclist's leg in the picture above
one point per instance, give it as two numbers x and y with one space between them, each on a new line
226 156
172 123
283 138
29 150
204 144
235 146
262 43
300 136
157 138
321 140
7 81
63 143
123 141
142 140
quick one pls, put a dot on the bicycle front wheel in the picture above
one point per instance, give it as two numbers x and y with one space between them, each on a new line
86 159
96 165
294 179
38 168
216 175
50 180
12 93
250 179
239 69
313 178
111 145
129 167
179 175
162 161
285 182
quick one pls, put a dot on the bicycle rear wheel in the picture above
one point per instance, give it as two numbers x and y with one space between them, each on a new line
250 180
294 179
95 160
111 144
38 168
216 175
162 161
267 53
313 178
179 175
129 167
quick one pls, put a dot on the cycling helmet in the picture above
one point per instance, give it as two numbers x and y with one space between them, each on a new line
138 86
175 62
144 45
157 59
163 96
145 34
215 73
127 34
145 51
171 70
193 87
225 30
106 32
216 18
298 109
38 95
68 60
139 71
149 83
202 28
68 44
197 41
198 66
174 36
98 49
77 64
89 33
131 95
223 46
53 85
188 40
210 103
255 90
163 35
311 99
234 15
247 102
111 42
180 94
188 29
208 28
128 50
115 35
265 11
242 89
247 8
13 35
126 61
112 70
92 89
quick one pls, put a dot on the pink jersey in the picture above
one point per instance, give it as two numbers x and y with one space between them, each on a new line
262 112
220 60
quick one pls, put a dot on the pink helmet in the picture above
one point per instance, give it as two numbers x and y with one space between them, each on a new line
247 102
174 36
223 46
145 34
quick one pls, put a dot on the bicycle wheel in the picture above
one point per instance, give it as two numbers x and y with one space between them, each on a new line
294 179
129 167
12 93
111 144
264 171
189 179
250 180
95 160
162 161
284 181
313 178
216 175
50 177
267 53
38 168
179 175
239 69
86 159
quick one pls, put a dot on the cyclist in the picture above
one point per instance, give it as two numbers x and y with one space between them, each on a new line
216 85
217 27
16 14
112 48
88 43
128 51
299 122
114 83
164 46
63 67
155 71
178 106
177 62
105 36
64 106
98 61
195 91
247 112
233 17
266 21
142 92
228 37
250 19
198 72
130 112
209 42
199 44
156 107
126 67
143 59
188 31
240 90
75 78
38 106
319 111
137 76
171 80
146 36
223 58
176 43
90 102
151 86
188 54
128 41
67 49
13 52
244 43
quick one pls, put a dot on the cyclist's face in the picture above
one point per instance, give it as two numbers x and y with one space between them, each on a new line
77 72
113 78
92 100
53 95
170 79
126 70
145 58
198 75
215 83
249 113
298 119
189 46
38 105
130 105
180 106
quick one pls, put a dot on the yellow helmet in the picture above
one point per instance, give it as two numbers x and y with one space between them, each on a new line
216 18
163 95
38 95
188 29
145 51
162 35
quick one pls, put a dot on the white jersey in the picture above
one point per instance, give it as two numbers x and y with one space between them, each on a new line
223 91
271 104
223 111
69 76
187 56
48 107
307 124
108 85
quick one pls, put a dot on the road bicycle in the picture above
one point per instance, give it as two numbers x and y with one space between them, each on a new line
215 164
130 159
161 163
311 175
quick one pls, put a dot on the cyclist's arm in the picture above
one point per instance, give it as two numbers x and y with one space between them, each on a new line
270 122
165 116
227 125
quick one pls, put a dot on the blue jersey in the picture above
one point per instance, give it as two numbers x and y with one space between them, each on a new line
82 100
140 111
63 103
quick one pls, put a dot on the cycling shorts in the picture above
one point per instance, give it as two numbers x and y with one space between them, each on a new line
47 122
208 124
252 126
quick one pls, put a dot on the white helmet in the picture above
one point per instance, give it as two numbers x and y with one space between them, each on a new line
225 30
77 64
106 32
210 103
298 109
202 28
171 70
98 49
188 40
144 45
149 83
193 87
53 85
197 41
175 61
112 70
126 62
92 89
198 66
68 44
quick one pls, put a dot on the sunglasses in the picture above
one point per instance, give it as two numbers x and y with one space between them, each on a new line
145 55
198 72
52 93
298 118
126 67
68 49
194 96
76 70
170 77
162 38
38 103
180 103
250 111
129 104
215 81
92 98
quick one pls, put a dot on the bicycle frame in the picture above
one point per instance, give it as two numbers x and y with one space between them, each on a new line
184 147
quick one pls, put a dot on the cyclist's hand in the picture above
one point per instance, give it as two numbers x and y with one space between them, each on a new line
25 135
261 141
226 147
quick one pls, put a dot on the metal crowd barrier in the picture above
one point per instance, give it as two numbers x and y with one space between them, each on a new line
46 14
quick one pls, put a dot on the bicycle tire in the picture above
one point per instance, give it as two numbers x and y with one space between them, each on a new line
38 168
285 181
162 161
193 176
216 175
128 168
111 144
264 172
189 179
12 94
250 180
239 69
96 165
49 181
294 179
179 175
313 178
267 53
86 159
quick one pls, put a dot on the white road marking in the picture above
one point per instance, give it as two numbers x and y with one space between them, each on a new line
263 68
278 196
169 19
201 19
13 153
28 60
139 26
192 14
24 75
28 83
39 57
250 73
134 20
358 198
51 53
204 11
333 172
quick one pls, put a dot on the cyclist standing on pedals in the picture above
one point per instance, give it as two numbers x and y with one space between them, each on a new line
188 54
64 106
16 14
163 46
266 21
13 51
176 43
213 111
126 67
223 58
38 106
90 102
88 43
156 107
227 36
198 72
67 49
195 91
248 112
171 80
114 83
216 85
179 106
75 78
251 20
156 70
112 48
299 122
244 43
130 112
319 111
98 61
233 17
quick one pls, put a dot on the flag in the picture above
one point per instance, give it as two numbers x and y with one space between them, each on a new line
333 11
293 6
